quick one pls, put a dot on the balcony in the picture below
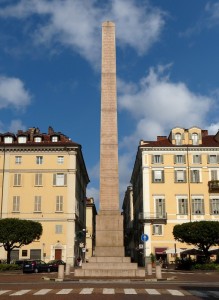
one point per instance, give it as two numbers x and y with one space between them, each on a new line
158 218
213 186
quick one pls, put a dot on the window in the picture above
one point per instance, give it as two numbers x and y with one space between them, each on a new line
60 179
39 160
37 139
195 176
157 159
160 208
197 206
157 229
197 159
54 139
60 160
179 159
58 229
17 179
16 203
22 139
214 175
213 159
178 138
37 203
195 139
38 179
8 140
214 206
157 176
24 253
59 203
182 206
180 176
18 160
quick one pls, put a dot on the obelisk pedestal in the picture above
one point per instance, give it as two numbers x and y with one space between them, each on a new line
109 259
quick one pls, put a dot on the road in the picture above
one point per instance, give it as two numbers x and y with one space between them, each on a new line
186 285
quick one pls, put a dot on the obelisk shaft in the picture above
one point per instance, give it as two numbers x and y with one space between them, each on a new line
109 178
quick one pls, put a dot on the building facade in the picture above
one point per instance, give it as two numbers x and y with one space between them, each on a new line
91 213
43 178
175 179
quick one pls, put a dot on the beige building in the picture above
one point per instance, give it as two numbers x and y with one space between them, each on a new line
91 213
175 179
43 178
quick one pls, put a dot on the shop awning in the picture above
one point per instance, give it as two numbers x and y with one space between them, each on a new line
160 250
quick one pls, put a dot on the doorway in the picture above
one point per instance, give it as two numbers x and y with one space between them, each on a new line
58 253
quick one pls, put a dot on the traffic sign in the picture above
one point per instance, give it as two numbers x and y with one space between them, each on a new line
144 237
141 246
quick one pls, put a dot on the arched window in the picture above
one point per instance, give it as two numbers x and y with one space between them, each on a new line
195 139
178 138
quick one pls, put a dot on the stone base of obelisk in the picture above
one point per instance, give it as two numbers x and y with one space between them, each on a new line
109 259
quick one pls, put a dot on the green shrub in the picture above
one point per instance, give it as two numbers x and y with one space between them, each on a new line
9 267
209 266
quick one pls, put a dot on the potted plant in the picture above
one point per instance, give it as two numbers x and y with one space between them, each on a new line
152 256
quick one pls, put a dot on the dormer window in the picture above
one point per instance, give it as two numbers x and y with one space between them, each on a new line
22 139
178 138
194 139
55 138
37 139
8 139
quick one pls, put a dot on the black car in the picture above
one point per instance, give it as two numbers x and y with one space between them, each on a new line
54 264
35 266
20 262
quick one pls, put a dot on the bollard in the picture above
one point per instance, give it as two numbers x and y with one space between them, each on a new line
158 271
149 268
61 272
67 269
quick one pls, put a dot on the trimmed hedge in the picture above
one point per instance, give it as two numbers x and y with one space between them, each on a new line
9 267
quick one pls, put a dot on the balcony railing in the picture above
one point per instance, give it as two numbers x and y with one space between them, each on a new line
158 218
213 186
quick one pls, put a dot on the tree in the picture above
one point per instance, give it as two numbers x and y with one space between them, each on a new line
15 233
203 234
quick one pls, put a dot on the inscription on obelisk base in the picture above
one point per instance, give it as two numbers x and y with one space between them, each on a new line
109 259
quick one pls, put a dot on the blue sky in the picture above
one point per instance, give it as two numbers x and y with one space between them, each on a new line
167 71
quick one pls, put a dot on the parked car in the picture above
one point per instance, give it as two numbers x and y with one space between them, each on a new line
20 262
54 264
35 266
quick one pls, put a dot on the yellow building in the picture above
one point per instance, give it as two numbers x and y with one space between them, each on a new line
91 213
43 178
175 179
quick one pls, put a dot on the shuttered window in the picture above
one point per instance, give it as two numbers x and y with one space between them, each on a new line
60 179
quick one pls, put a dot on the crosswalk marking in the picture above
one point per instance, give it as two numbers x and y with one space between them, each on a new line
20 293
42 292
112 291
64 291
130 291
108 291
152 292
86 291
175 293
3 292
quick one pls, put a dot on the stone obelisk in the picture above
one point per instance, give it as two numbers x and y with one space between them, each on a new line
109 225
109 260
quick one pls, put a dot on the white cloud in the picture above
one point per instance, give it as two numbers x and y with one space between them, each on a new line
93 192
213 11
157 105
16 125
77 23
13 93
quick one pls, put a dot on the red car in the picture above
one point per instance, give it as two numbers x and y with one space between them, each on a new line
54 264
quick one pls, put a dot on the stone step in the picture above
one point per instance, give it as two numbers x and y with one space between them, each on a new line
110 266
110 273
106 259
